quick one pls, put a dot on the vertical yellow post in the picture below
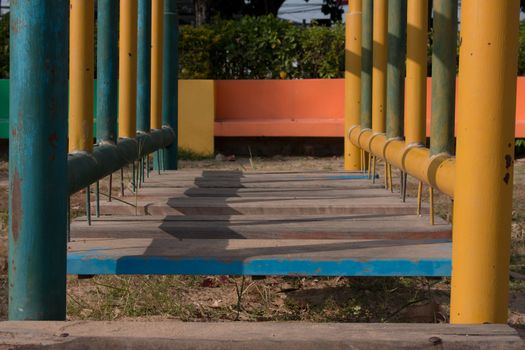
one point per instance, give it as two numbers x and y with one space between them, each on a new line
379 59
81 74
157 25
416 72
127 112
353 82
485 157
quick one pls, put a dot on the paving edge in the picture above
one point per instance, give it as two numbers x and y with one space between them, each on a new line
243 335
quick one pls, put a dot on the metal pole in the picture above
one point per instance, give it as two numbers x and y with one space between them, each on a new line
157 35
97 199
127 106
81 74
144 66
157 48
444 46
88 205
110 188
397 14
38 160
170 81
107 70
352 161
416 75
485 158
379 58
366 64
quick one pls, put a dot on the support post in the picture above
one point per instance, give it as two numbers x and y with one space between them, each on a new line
38 160
144 66
366 64
352 159
170 82
444 49
157 22
416 76
127 109
397 14
107 70
485 158
379 66
81 74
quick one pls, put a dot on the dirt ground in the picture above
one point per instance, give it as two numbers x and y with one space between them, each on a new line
216 298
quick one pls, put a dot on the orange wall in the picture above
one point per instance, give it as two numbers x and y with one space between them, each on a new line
312 107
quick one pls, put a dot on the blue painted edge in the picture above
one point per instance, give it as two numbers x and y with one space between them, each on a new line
349 177
88 264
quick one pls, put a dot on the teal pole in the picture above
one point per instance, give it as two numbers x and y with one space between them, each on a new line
144 66
443 76
107 70
38 159
170 82
366 64
397 23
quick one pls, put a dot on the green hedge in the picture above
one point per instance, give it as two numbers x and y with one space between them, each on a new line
261 48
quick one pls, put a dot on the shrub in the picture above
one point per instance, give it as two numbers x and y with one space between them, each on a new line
261 48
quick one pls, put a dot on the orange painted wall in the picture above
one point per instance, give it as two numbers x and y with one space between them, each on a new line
312 107
298 107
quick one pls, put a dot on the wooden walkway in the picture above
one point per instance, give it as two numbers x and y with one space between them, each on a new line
260 223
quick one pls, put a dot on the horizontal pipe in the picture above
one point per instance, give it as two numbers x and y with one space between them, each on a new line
437 171
86 168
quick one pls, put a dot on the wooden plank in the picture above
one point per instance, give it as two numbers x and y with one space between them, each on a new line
256 335
261 206
307 227
260 257
148 193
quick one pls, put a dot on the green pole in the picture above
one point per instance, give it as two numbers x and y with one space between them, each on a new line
397 23
170 81
107 71
444 76
144 66
366 65
38 159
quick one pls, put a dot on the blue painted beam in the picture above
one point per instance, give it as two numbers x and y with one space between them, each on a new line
38 159
95 263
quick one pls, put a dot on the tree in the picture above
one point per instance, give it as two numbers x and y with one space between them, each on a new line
228 9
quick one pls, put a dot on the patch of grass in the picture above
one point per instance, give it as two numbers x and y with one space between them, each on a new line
188 154
117 297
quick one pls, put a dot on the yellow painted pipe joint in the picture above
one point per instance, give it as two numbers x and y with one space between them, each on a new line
437 171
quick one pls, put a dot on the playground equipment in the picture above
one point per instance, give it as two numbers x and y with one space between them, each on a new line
480 178
381 121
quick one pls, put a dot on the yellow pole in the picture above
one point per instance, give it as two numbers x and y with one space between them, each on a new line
416 74
353 81
157 24
379 59
485 157
81 68
127 112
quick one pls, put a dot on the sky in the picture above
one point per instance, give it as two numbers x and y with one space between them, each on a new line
299 10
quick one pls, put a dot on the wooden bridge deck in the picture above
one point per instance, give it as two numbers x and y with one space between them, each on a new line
260 223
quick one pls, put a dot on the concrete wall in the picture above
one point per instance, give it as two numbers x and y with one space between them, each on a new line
196 114
260 108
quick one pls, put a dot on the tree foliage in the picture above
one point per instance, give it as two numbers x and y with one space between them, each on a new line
261 48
